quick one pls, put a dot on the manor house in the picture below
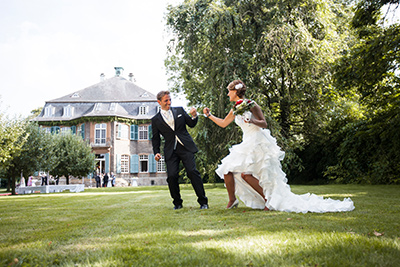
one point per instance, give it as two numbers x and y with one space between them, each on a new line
114 117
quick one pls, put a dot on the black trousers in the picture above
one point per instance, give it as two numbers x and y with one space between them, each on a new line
187 158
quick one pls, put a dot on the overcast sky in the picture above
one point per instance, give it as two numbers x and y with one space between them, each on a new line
51 48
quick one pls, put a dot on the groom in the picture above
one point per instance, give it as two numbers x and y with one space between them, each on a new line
179 146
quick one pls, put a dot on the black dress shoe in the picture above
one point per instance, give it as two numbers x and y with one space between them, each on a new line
204 207
177 207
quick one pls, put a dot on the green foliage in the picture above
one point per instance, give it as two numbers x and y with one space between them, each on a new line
282 50
367 149
37 153
74 156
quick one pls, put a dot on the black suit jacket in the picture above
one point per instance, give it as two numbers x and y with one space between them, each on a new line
160 127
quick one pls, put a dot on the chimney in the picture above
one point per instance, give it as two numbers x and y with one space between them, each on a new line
102 76
118 71
131 77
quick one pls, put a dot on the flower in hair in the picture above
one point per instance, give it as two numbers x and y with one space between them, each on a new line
238 86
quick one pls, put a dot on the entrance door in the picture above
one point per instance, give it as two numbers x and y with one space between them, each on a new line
100 163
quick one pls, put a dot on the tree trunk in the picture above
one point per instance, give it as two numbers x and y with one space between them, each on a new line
67 179
13 185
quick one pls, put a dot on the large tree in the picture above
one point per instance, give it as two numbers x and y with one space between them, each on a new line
37 153
282 50
12 139
74 157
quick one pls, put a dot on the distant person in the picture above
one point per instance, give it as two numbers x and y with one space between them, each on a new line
113 179
30 181
105 180
22 184
98 180
44 180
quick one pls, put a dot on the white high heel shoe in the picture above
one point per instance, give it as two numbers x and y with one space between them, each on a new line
234 205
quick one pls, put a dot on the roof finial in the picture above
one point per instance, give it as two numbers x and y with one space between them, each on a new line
118 71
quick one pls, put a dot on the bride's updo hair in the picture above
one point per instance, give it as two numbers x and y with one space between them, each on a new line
239 86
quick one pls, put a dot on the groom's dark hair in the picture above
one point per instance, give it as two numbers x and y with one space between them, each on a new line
161 94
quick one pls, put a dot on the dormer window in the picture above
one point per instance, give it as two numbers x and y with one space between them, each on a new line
97 106
49 111
68 111
75 95
143 110
145 95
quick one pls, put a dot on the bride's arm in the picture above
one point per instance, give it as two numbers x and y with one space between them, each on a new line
220 122
259 118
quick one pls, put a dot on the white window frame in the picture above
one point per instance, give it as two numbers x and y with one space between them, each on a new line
48 111
143 159
143 110
68 111
124 132
113 106
101 129
143 132
124 163
97 106
66 130
161 165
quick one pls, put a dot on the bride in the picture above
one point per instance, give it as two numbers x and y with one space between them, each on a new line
252 170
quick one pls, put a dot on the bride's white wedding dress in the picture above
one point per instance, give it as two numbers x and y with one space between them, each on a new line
259 155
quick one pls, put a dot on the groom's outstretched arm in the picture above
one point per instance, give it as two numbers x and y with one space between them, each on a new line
190 121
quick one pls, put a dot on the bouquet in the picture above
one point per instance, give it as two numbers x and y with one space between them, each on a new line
242 105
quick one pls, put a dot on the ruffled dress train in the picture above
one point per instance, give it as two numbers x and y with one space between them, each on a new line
259 155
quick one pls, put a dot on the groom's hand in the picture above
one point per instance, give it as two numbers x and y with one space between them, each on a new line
193 112
157 157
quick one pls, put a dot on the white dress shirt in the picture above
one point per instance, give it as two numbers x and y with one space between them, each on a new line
169 119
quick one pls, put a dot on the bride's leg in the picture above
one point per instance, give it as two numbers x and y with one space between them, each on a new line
230 187
253 182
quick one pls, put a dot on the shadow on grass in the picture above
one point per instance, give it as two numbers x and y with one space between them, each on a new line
141 229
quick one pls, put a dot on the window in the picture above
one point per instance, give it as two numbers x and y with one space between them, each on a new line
48 111
81 131
68 111
161 165
144 163
124 163
122 131
100 133
113 106
143 133
65 130
97 106
158 109
143 110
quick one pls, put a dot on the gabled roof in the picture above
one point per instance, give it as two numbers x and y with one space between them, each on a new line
116 89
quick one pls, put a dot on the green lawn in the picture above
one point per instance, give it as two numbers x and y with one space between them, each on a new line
137 227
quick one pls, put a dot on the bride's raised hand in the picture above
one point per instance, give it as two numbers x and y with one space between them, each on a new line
206 111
